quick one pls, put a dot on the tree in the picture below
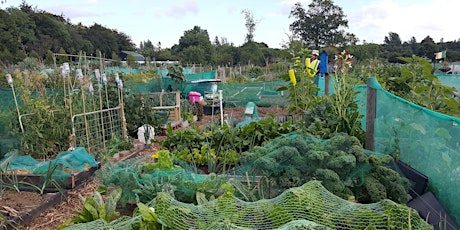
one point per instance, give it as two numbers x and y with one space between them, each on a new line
322 25
226 54
392 39
103 39
252 53
413 45
131 61
176 72
250 25
200 39
216 42
427 48
194 55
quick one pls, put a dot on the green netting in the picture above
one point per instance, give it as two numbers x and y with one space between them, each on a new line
6 95
340 163
261 93
200 76
311 202
250 114
426 140
139 185
450 80
8 142
7 114
66 163
309 206
275 187
164 72
123 223
165 83
110 70
322 85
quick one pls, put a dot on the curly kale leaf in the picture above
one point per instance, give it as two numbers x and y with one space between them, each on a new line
330 179
285 154
291 178
395 185
317 155
358 152
267 166
340 141
343 164
375 189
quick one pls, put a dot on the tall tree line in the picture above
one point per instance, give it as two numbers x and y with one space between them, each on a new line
25 31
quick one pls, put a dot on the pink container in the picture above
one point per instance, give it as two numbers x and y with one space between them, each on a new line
194 97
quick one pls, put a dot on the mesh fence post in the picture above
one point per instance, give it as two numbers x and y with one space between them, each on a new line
370 115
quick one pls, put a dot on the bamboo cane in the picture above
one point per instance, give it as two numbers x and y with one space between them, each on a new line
102 115
84 107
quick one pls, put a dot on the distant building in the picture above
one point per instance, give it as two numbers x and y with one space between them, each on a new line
140 59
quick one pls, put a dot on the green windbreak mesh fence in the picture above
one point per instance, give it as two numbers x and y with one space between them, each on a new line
261 93
7 115
361 101
450 80
165 83
428 141
6 95
164 72
110 70
200 76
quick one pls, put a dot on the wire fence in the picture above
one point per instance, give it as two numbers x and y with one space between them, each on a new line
94 130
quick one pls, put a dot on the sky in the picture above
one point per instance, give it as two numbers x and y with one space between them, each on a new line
166 21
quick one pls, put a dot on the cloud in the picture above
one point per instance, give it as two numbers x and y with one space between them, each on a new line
419 19
72 11
232 10
178 10
286 5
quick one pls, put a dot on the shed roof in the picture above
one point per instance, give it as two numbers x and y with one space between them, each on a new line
137 56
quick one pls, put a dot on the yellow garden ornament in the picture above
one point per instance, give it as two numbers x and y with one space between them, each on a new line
307 65
292 77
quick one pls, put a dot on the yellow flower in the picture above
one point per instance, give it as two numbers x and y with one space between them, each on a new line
155 156
206 133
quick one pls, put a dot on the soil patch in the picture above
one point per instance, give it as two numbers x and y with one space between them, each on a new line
13 203
236 114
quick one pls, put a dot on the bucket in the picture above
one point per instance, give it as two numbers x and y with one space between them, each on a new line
194 97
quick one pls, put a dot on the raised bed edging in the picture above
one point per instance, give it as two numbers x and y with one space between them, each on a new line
38 180
27 217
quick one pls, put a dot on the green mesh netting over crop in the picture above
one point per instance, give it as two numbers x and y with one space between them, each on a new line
426 140
275 187
309 206
310 201
341 163
66 162
129 223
